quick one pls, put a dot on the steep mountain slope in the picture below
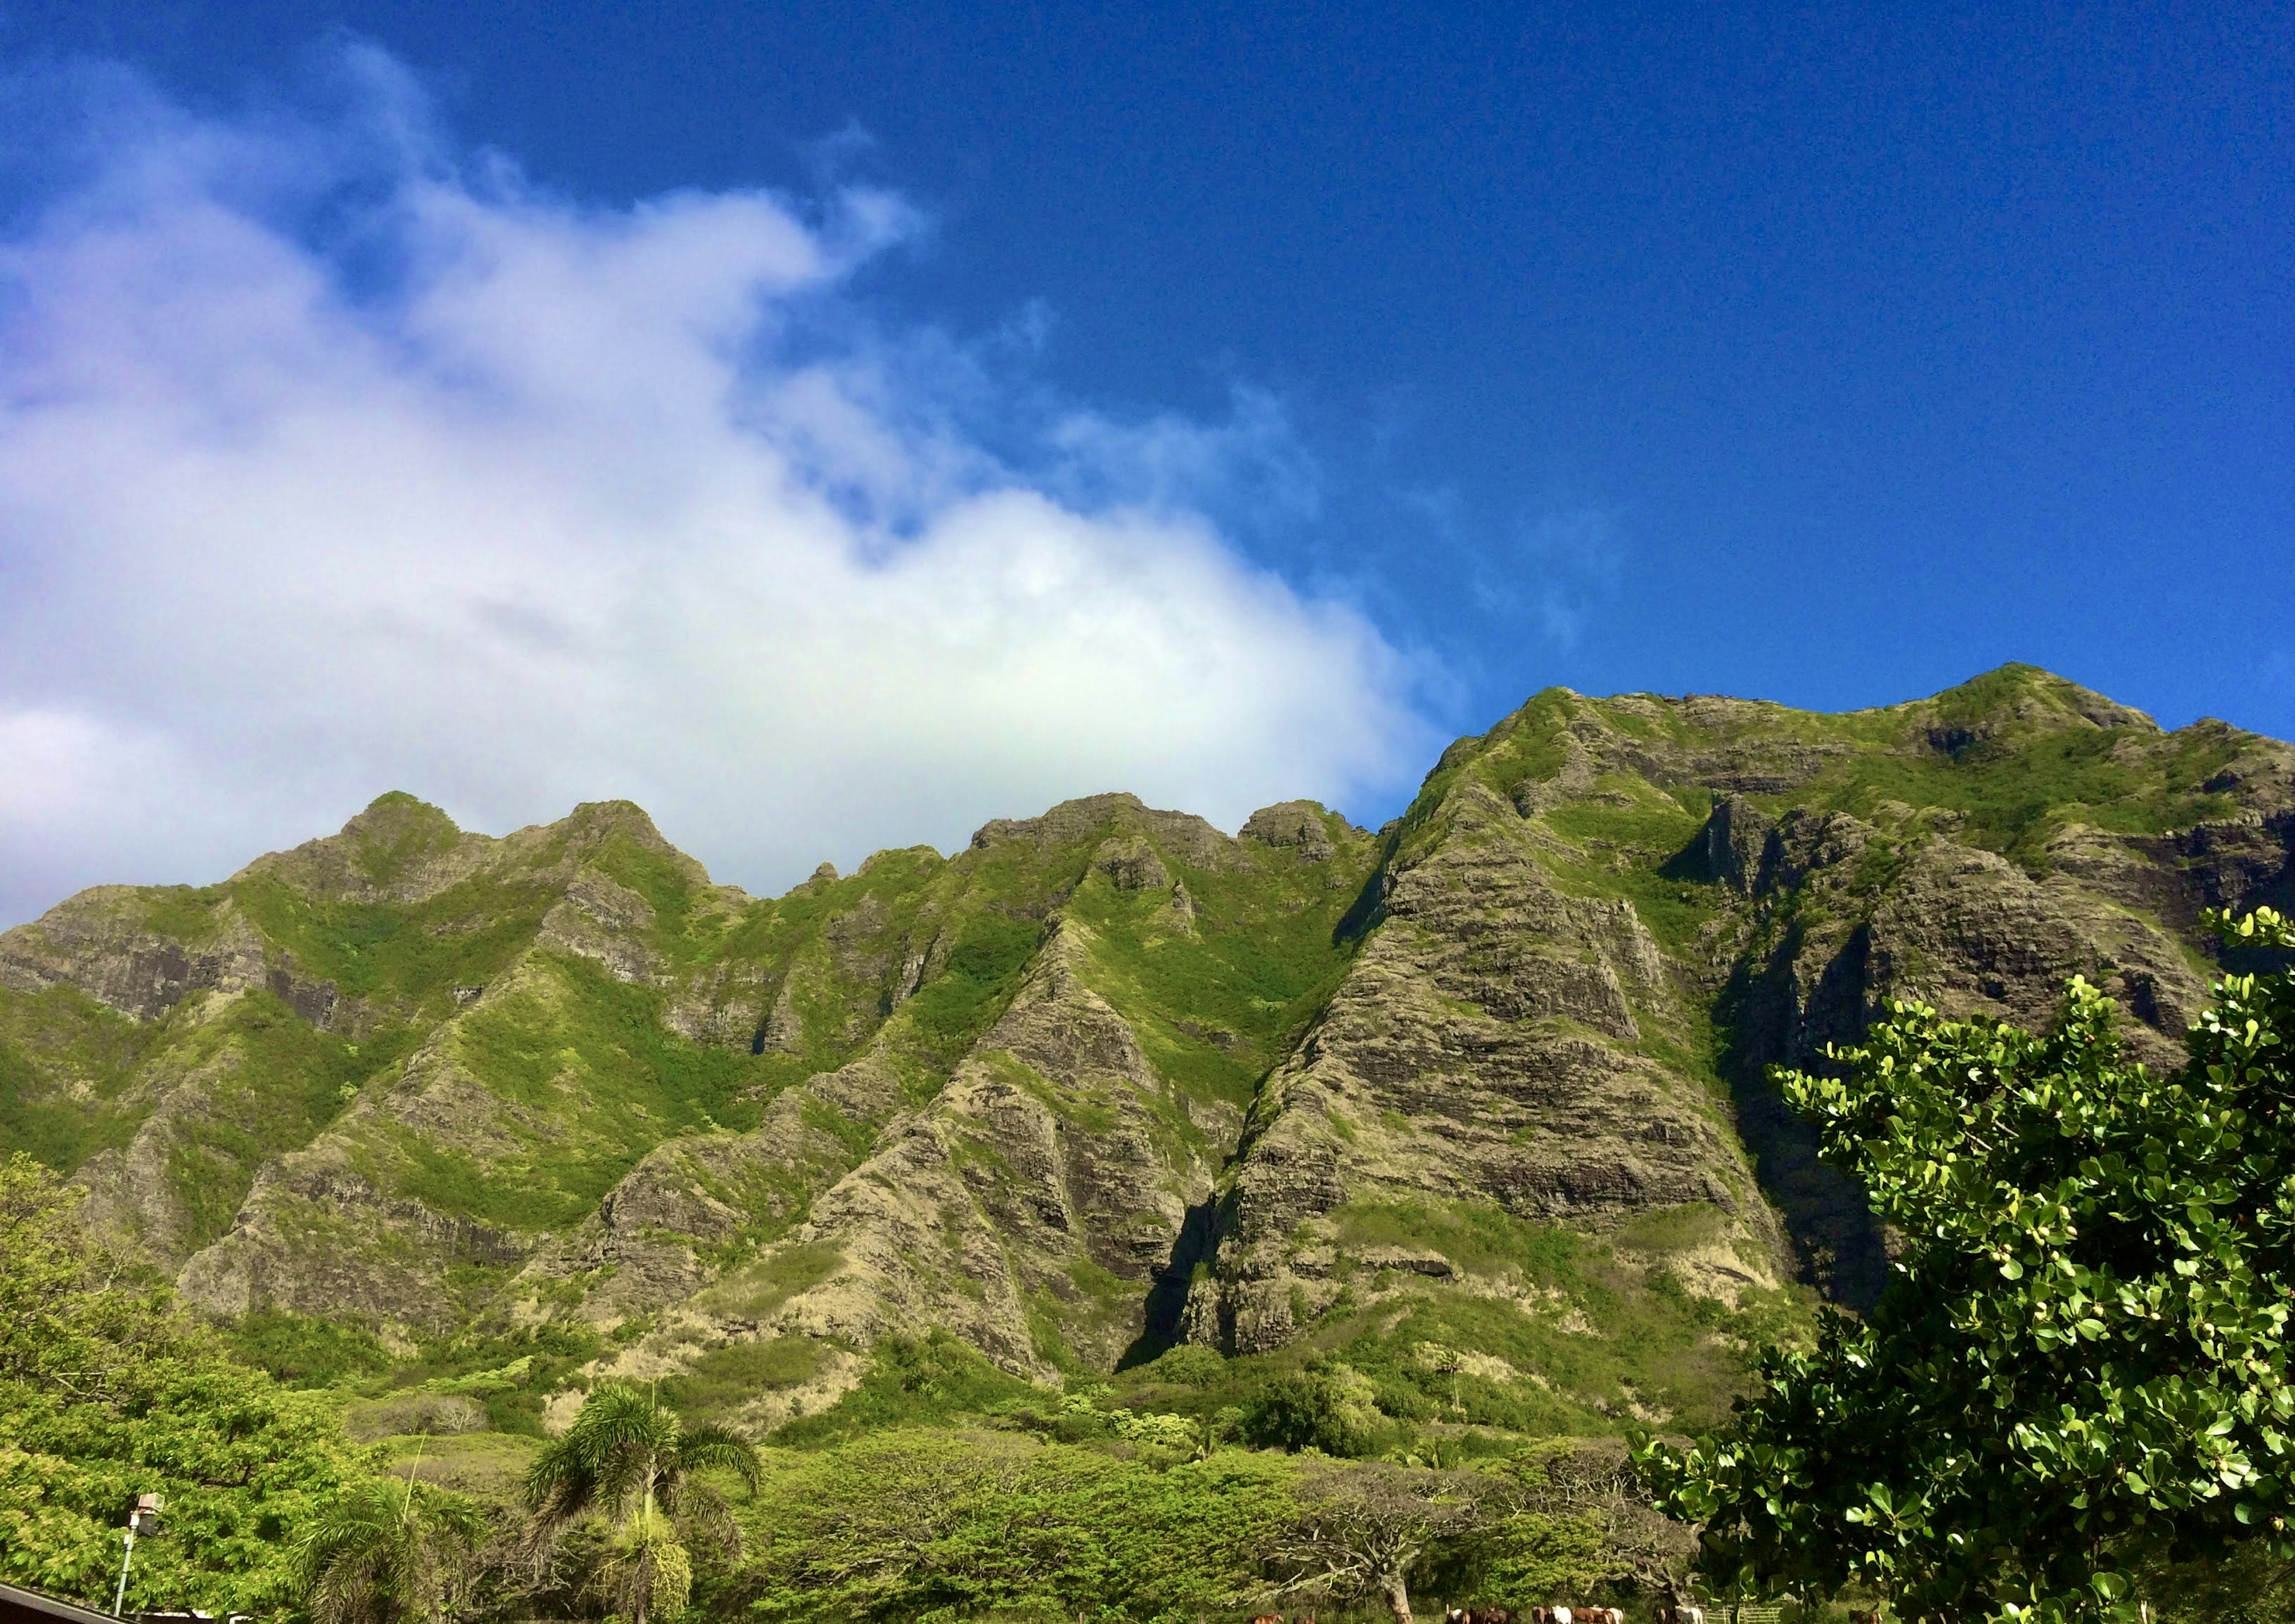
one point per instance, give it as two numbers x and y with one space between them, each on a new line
1476 1102
1601 913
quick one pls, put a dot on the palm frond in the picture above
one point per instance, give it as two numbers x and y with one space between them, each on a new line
717 1446
629 1456
702 1510
382 1553
596 1458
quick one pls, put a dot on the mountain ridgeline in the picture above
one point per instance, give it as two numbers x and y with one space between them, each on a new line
1477 1100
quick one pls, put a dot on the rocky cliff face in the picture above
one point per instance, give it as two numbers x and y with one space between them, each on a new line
1109 1078
1497 1040
1516 1031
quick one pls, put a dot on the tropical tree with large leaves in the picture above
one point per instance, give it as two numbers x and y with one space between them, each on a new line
629 1459
2080 1370
108 1393
389 1553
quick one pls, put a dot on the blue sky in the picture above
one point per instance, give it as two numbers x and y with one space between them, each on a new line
1828 355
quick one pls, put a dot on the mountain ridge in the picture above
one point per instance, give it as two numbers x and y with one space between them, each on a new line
1109 1081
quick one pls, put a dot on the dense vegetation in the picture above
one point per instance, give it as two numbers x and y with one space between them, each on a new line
939 1486
106 1394
2081 1373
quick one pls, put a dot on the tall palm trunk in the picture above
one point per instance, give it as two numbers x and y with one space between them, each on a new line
646 1560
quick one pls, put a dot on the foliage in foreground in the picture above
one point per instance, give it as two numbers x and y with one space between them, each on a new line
2080 1369
106 1394
389 1553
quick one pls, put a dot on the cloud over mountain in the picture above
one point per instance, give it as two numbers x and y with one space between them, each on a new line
335 460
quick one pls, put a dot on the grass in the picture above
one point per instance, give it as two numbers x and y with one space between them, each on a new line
654 875
756 1288
535 1362
69 1075
181 913
1071 1103
1608 1335
496 1192
1675 914
725 1378
1528 746
931 1381
491 1467
268 1082
588 1079
466 935
838 948
2008 751
1678 1228
1215 1008
1636 815
397 834
983 970
2016 791
1483 1239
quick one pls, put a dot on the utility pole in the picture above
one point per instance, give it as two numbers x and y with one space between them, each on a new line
143 1520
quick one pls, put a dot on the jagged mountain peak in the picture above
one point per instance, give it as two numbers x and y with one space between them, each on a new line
596 822
1308 827
1186 835
2022 695
399 846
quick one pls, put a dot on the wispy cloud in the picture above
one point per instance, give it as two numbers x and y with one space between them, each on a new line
1566 564
333 460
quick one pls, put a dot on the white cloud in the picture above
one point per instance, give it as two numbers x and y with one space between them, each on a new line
328 466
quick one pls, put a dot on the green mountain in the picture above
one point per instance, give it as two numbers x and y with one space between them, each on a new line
1473 1105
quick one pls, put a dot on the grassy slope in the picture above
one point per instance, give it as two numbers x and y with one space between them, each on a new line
1215 1005
1264 951
68 1069
1216 1008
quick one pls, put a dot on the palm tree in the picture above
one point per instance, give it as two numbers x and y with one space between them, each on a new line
632 1460
388 1553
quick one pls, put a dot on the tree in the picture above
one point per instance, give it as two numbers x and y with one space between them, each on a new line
1361 1529
1580 1517
629 1459
389 1554
1328 1408
2081 1367
107 1393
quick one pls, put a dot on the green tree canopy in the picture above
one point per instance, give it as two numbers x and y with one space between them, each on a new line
924 1523
2081 1367
106 1392
1332 1409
